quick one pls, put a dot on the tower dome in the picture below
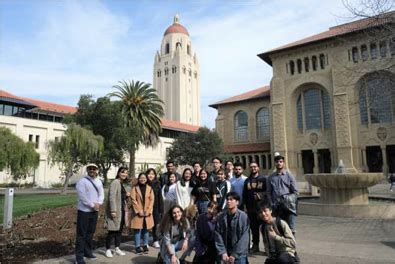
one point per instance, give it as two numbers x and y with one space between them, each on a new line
176 27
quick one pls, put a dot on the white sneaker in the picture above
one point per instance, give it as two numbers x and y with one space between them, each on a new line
108 253
156 244
119 252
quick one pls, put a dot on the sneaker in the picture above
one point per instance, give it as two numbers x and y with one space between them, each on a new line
156 244
119 252
109 253
145 249
139 251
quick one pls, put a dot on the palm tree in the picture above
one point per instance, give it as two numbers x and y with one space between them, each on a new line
142 110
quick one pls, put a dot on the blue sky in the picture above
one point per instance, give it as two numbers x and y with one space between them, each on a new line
56 50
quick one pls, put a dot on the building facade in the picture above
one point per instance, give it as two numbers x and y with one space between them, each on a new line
176 75
332 98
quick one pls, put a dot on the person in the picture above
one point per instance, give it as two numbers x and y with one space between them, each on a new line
197 166
171 168
142 197
254 192
174 230
205 251
237 182
229 167
204 192
90 198
278 239
223 187
169 192
115 212
282 193
232 232
392 181
158 204
217 164
184 188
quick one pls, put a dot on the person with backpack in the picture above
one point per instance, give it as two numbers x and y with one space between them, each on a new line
280 244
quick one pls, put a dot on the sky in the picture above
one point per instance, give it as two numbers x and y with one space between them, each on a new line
57 50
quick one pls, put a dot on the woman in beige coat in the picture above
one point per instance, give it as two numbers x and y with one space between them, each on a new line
142 197
115 211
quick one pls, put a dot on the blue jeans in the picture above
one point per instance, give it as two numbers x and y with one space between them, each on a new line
202 206
287 216
137 237
241 260
176 247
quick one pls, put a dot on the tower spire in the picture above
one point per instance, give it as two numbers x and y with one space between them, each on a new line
176 19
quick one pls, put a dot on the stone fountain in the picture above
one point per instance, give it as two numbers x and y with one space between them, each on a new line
345 194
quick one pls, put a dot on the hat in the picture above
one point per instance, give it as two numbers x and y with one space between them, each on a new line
92 165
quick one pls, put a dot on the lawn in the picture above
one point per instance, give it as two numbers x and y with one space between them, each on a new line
29 203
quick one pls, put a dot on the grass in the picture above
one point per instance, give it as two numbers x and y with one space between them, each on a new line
30 203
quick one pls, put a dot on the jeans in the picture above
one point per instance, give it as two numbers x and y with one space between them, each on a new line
137 237
176 247
255 223
86 227
202 206
241 260
287 216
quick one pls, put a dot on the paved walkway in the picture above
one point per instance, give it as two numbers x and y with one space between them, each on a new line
319 240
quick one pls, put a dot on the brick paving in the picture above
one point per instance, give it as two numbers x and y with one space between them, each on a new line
319 240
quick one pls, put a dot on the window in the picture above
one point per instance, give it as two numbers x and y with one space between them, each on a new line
306 64
377 98
30 138
178 45
383 48
373 51
292 67
392 46
37 141
190 72
8 110
355 54
167 49
188 50
314 62
322 61
313 110
184 70
364 52
263 124
166 71
299 65
241 127
173 69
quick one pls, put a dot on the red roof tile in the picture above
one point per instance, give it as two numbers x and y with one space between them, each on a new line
254 94
176 28
41 105
335 31
175 125
247 148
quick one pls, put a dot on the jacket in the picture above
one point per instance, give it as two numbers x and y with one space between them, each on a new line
240 234
114 204
284 242
138 204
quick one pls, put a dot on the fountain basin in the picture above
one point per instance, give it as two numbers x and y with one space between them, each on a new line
345 188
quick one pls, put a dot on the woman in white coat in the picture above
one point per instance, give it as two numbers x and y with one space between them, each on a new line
184 188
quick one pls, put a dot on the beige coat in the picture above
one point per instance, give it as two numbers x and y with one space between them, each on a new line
114 201
137 206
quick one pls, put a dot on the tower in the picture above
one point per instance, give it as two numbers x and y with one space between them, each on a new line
176 75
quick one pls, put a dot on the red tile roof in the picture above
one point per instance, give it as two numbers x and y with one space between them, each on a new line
41 105
247 148
335 31
176 28
254 94
175 125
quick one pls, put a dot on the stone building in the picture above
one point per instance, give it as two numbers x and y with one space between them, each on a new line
332 98
176 75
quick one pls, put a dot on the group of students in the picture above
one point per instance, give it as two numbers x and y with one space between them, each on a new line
228 204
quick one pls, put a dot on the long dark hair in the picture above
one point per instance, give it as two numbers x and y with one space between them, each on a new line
200 179
182 181
167 221
167 186
156 175
121 169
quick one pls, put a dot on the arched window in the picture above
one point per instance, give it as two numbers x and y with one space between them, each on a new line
178 44
306 64
188 50
167 49
322 61
314 62
263 124
299 65
377 98
313 110
355 54
241 127
292 67
173 69
373 51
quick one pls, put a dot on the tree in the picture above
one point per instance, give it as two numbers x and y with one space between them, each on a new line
19 157
75 148
142 110
201 146
104 118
